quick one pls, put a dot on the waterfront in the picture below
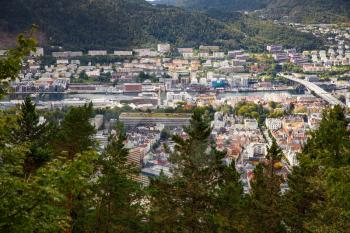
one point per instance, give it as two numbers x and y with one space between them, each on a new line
130 96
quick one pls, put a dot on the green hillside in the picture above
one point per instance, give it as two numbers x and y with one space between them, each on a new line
261 33
112 24
232 5
311 11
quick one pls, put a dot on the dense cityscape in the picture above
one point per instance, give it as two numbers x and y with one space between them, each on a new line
167 137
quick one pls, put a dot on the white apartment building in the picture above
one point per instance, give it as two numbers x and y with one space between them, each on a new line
163 48
97 52
273 123
122 53
250 124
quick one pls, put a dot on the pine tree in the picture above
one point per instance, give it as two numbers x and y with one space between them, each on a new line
74 139
34 135
187 200
26 203
230 203
75 132
117 194
265 209
318 199
274 155
73 180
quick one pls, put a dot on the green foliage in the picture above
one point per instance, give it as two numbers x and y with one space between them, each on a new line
247 110
11 65
33 134
311 11
119 196
26 203
317 199
84 78
252 110
117 24
72 180
265 209
223 5
165 134
143 77
277 113
187 201
78 190
112 24
75 132
226 109
265 206
273 104
83 75
337 70
88 192
267 32
288 67
105 78
342 98
42 193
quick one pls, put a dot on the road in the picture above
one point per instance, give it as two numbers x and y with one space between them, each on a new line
318 90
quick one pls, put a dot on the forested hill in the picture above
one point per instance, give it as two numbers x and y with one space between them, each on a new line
312 11
307 11
232 5
112 24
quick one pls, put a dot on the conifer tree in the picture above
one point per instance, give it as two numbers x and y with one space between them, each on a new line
265 209
187 200
230 202
27 204
75 132
24 201
73 181
117 194
318 199
74 139
35 135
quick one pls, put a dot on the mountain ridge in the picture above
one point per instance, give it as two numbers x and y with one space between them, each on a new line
310 11
112 23
117 24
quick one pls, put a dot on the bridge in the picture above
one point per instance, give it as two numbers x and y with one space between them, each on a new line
318 90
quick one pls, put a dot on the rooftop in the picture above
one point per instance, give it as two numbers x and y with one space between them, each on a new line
155 115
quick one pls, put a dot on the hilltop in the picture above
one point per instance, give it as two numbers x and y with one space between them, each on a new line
113 24
227 5
310 11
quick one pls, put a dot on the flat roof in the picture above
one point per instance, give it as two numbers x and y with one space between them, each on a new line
155 115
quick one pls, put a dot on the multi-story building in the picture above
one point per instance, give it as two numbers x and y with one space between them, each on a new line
122 53
67 54
274 48
132 87
273 123
167 119
97 52
163 48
